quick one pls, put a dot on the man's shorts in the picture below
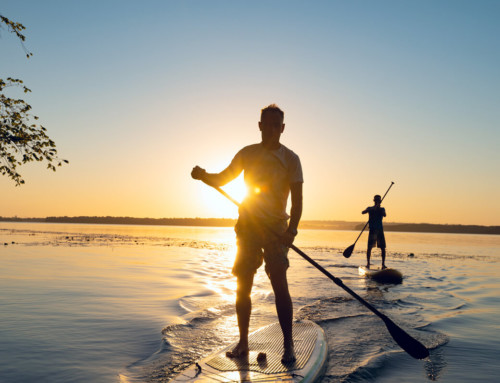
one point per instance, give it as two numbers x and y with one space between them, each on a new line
376 237
256 243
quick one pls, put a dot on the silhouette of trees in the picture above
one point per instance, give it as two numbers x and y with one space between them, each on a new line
21 139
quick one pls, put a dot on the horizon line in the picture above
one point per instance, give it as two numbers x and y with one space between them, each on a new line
329 224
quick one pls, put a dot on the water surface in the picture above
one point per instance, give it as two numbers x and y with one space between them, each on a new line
105 303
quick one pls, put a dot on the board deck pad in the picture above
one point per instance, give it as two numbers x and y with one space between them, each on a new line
270 341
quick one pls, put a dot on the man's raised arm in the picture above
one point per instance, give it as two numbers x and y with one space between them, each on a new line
216 179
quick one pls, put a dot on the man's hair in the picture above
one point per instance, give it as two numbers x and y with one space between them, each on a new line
272 108
377 198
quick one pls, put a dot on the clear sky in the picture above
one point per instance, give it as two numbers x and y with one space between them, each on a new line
136 93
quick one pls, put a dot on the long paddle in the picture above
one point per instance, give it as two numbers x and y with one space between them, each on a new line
405 341
347 252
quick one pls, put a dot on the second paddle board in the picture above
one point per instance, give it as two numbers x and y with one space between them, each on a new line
387 275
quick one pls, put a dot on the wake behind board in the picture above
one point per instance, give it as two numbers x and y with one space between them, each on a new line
310 349
382 276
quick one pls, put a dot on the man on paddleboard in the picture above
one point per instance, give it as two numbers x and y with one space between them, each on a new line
376 236
271 173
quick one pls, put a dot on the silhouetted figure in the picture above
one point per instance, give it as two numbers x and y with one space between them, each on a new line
376 236
271 172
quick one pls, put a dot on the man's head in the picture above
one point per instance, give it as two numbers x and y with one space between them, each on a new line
271 125
273 108
377 199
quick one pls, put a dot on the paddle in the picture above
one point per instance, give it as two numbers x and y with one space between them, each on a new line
347 252
405 341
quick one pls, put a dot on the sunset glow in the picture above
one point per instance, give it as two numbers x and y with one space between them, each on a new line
221 206
370 96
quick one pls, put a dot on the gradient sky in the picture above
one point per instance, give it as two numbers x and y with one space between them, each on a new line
136 93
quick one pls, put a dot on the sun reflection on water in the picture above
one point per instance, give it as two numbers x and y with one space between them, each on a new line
224 283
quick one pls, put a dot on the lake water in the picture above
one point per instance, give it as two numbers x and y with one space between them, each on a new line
104 303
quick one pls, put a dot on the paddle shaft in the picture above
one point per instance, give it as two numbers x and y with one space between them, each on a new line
366 224
336 280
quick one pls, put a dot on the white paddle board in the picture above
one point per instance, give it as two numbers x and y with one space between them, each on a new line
310 349
387 275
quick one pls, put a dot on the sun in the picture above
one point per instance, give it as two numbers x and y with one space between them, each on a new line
218 205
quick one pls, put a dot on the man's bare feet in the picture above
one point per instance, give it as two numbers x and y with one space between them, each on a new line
384 267
288 355
368 266
239 351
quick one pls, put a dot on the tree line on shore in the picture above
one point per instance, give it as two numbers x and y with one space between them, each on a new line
228 222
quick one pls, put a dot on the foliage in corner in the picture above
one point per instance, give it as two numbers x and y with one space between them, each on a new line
21 139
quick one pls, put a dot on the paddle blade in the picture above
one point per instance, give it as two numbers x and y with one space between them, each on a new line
347 252
405 341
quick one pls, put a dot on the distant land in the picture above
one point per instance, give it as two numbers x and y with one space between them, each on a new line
228 222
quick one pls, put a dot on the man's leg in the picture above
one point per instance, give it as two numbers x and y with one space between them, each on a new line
381 244
243 310
284 309
368 255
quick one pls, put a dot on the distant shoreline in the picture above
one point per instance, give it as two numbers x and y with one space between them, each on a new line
228 222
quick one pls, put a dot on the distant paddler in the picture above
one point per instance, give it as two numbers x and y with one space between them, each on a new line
376 235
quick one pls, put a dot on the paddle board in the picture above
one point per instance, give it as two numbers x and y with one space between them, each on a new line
387 275
310 349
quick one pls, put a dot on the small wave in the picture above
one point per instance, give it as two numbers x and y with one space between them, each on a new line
344 317
400 302
194 319
345 266
329 308
195 302
432 339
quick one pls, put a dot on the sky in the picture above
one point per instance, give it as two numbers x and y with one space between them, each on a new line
136 93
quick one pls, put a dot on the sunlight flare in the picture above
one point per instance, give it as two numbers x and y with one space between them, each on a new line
218 205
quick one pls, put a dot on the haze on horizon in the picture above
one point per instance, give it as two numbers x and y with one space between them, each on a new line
137 93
